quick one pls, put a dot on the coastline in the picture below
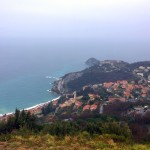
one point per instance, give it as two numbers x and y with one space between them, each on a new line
30 109
41 104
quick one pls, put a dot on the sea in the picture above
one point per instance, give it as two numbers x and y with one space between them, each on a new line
29 66
28 70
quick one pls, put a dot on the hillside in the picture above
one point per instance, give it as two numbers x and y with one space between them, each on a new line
98 72
81 142
22 132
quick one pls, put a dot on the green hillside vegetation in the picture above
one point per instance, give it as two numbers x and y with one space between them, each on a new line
82 141
21 131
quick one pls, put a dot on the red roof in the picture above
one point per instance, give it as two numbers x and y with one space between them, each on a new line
55 102
86 107
78 104
108 84
93 107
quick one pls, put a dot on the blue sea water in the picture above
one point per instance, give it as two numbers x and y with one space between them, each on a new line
25 63
25 71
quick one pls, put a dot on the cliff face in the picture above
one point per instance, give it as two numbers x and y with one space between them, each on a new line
104 71
61 86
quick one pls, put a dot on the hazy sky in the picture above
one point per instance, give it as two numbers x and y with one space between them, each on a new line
107 19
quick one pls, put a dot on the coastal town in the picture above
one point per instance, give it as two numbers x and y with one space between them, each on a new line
95 98
125 103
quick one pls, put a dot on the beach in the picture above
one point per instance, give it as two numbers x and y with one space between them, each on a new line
33 110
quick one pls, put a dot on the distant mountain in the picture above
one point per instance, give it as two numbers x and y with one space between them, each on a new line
91 62
98 72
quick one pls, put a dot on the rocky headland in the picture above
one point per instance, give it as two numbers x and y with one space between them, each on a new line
99 72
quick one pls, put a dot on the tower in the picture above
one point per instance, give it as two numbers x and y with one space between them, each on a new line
75 94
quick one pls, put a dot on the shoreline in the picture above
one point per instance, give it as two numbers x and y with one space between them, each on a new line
32 108
41 104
